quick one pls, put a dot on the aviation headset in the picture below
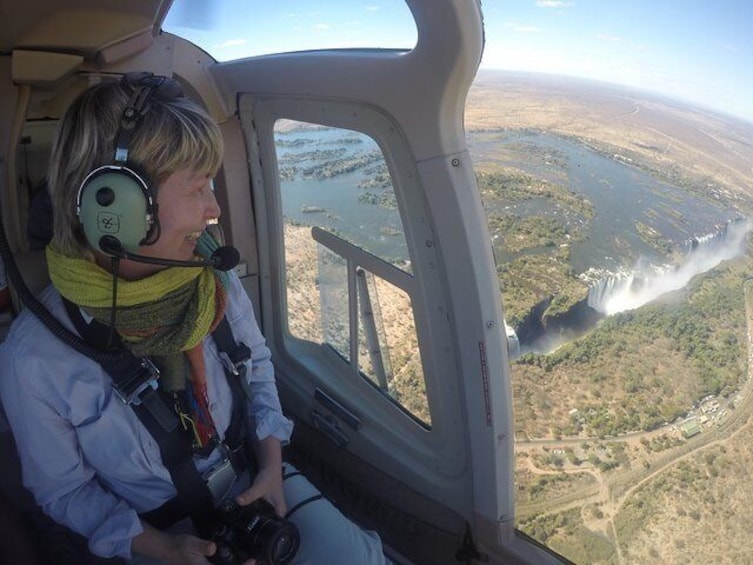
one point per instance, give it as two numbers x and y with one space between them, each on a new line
116 202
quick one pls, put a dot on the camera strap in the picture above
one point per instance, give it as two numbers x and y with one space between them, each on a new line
135 382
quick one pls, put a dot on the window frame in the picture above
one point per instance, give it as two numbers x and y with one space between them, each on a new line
434 454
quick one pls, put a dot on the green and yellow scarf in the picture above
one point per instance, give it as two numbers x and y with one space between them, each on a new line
165 316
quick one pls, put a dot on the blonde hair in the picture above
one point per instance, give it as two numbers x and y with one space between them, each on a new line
172 135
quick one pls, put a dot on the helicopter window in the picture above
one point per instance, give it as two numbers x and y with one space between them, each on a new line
285 27
348 274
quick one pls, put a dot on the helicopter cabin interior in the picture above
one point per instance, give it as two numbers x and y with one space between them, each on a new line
416 444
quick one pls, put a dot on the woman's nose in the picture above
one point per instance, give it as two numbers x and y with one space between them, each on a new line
212 208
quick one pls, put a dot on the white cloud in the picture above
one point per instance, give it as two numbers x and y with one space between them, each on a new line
231 43
372 8
606 37
554 4
322 26
522 28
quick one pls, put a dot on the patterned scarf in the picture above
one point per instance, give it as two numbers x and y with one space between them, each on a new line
164 316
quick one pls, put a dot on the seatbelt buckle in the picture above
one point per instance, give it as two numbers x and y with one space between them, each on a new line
241 354
221 477
147 377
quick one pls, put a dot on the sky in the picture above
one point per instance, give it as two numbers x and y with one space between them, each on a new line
699 51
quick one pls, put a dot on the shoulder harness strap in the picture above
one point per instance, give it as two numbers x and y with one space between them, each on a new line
234 356
136 383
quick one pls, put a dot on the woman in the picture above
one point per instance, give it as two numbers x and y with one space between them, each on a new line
87 457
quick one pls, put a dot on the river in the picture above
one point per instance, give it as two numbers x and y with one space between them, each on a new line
622 195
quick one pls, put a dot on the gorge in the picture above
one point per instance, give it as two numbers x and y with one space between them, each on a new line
626 289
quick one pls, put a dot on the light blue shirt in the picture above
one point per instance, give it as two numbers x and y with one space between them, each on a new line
86 457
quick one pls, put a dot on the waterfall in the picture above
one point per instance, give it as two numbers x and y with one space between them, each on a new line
611 293
513 343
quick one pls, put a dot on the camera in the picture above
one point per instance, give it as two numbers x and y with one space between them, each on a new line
253 531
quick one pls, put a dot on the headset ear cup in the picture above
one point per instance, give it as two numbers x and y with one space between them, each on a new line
115 201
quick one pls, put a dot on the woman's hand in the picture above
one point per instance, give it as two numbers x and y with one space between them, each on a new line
268 481
268 485
173 550
189 550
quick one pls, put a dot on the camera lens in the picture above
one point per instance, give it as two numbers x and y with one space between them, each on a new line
285 546
272 539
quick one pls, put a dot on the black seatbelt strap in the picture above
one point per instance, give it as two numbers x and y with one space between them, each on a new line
234 356
135 382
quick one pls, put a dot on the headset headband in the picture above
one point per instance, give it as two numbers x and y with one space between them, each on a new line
147 86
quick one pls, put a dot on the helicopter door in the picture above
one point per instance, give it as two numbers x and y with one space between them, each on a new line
352 307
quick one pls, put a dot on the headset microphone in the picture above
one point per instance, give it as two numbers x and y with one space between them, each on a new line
223 258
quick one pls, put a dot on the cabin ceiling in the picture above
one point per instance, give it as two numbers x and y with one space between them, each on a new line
80 27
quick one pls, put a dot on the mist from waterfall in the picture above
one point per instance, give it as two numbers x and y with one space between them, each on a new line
618 292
